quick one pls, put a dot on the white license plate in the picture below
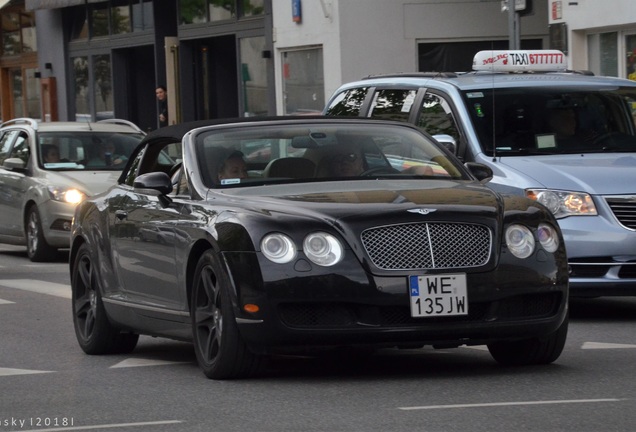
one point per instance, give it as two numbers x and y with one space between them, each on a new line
438 295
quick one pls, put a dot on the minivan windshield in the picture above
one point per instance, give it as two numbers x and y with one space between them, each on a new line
553 120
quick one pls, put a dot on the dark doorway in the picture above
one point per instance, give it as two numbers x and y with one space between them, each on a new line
134 86
458 56
213 88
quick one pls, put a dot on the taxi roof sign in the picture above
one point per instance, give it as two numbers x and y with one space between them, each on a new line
520 61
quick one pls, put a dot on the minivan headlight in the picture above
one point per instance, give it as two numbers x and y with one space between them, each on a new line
564 203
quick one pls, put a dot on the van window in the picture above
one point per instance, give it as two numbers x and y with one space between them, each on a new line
392 104
436 116
347 103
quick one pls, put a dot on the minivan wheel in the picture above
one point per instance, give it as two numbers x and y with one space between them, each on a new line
37 247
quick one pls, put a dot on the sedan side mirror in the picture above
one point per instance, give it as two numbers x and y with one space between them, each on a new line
482 172
14 164
157 181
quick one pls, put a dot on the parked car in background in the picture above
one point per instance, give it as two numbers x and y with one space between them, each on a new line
566 139
325 244
47 168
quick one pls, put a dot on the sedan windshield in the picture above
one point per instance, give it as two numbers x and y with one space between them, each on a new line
524 120
320 152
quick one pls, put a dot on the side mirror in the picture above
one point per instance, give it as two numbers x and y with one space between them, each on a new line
14 164
482 172
447 141
157 181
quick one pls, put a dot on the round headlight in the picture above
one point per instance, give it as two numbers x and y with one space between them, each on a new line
548 237
322 249
520 241
278 248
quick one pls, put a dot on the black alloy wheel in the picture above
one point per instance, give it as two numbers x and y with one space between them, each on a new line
220 350
94 332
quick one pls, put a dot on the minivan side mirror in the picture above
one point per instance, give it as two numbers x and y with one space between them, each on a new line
447 141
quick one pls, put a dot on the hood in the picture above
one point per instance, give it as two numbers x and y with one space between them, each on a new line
596 173
89 182
349 200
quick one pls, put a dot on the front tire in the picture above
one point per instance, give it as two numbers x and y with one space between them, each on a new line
94 332
37 247
220 350
531 351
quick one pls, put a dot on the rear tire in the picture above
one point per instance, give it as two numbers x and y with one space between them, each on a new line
220 350
94 332
531 351
37 247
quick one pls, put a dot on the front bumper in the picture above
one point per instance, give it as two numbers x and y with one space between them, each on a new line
56 218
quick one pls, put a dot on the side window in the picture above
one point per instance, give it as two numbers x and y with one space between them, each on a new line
21 147
436 117
5 144
347 103
133 168
392 104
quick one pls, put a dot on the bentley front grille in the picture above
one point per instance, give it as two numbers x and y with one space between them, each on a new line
624 208
420 246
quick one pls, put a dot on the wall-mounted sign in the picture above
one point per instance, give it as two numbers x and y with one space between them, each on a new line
297 13
557 9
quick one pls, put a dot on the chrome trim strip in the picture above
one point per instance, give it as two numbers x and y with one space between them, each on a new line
144 307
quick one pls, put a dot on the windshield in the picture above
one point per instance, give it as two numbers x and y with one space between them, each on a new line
86 150
317 152
521 121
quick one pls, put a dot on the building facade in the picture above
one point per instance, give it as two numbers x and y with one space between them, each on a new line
598 36
96 59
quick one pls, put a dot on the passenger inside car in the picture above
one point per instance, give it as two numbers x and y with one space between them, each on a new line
50 153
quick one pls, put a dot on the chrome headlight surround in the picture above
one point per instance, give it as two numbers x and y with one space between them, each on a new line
548 237
278 248
66 195
520 240
564 203
323 249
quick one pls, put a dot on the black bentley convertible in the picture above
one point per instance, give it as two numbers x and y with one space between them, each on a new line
255 237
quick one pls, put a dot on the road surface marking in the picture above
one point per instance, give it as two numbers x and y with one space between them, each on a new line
6 302
38 286
10 371
136 362
107 426
498 404
601 345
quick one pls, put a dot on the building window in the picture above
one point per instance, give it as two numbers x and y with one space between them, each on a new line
192 11
253 76
303 81
252 8
93 73
18 33
120 17
99 20
221 10
630 45
82 97
142 18
602 53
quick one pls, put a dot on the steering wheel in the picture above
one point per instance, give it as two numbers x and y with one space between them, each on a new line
379 170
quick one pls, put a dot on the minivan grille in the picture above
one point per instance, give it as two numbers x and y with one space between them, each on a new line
624 208
428 246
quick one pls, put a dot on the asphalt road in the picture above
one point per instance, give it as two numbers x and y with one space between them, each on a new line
48 384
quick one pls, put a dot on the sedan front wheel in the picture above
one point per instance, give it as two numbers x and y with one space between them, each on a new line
93 330
219 348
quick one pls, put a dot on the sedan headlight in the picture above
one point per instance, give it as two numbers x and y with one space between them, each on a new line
564 203
278 248
323 249
71 196
548 237
520 241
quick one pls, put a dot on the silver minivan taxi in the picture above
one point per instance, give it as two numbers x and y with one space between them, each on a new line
564 138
